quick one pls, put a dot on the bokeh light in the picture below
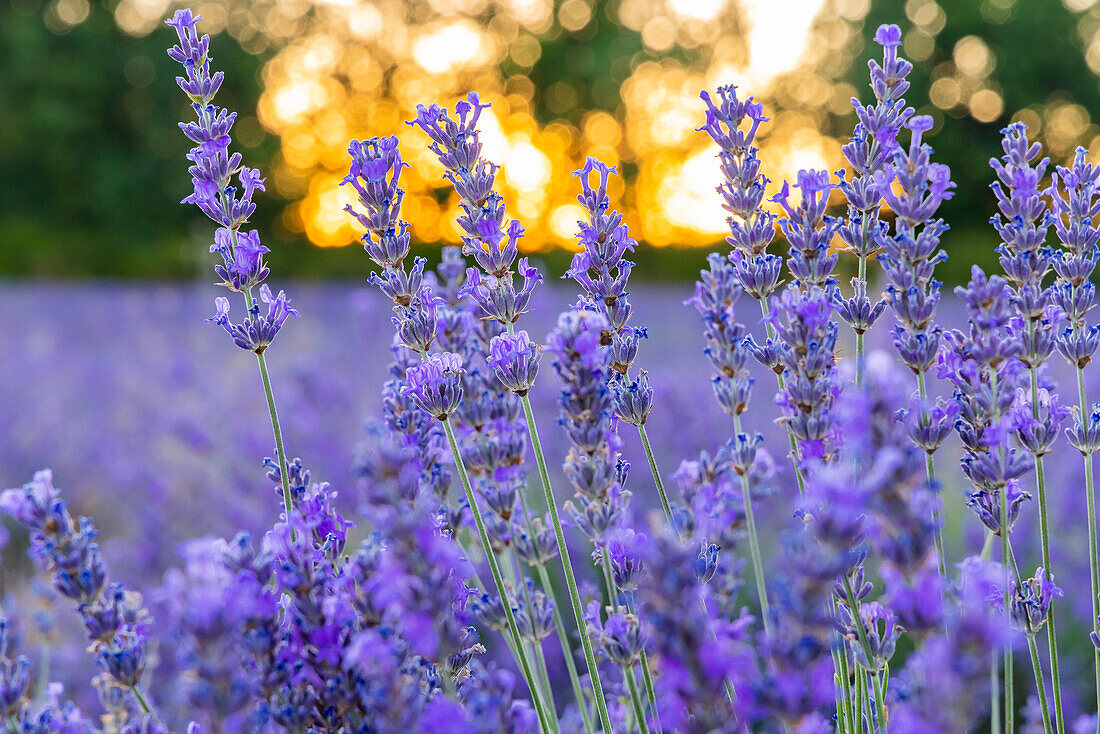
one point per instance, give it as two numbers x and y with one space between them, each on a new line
567 78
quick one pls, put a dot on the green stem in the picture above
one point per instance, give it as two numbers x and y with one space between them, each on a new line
639 709
930 473
276 428
1044 537
994 697
567 653
278 431
567 566
143 701
842 678
853 605
1039 684
1010 709
498 580
861 698
1090 505
656 473
540 659
754 545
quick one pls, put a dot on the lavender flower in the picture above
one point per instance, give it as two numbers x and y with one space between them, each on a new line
515 361
435 385
114 619
212 172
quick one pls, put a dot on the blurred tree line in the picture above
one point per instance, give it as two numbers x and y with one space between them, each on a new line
92 164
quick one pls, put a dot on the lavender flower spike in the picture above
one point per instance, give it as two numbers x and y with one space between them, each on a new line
1022 223
494 246
602 271
1076 200
868 150
114 619
212 170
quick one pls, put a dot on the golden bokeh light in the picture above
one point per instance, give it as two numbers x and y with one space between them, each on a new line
342 69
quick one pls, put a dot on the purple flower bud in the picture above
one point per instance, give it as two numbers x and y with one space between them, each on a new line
1031 600
435 385
514 359
1084 435
620 639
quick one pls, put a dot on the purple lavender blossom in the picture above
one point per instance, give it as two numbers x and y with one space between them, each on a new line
114 619
435 385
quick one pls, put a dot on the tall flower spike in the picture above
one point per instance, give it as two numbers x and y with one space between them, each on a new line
982 365
493 242
869 149
1076 202
114 619
212 170
742 189
1022 223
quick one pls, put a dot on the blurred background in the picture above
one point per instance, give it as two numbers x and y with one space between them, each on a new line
91 161
155 424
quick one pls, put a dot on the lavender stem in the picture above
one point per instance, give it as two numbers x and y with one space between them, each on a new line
494 569
567 565
1090 505
567 653
754 546
656 473
876 680
1039 684
1052 639
635 698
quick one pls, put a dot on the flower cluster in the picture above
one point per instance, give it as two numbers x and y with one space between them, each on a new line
602 272
593 466
114 619
492 243
422 613
213 170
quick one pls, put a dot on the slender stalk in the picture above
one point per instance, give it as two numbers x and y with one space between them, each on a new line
656 473
639 709
861 697
567 653
1044 537
880 702
544 673
494 569
994 696
1090 505
278 431
754 545
1006 554
846 686
930 473
533 648
567 566
1039 684
144 702
276 428
843 721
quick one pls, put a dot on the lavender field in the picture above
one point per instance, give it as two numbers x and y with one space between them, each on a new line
158 432
816 491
